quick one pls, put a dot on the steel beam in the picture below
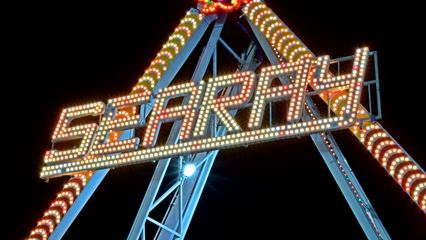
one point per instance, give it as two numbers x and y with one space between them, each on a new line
139 224
187 185
83 197
193 187
184 53
372 227
99 175
231 51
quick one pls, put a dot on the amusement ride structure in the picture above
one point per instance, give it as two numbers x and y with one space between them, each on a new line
326 101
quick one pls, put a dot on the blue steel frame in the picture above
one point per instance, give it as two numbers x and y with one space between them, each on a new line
148 203
187 191
365 214
99 175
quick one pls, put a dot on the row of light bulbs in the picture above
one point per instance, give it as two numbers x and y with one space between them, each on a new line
59 207
162 61
280 36
220 105
392 158
198 145
210 104
169 51
186 111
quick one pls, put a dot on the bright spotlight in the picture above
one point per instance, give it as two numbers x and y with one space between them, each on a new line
189 170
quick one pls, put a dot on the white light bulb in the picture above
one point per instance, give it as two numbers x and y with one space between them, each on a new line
189 170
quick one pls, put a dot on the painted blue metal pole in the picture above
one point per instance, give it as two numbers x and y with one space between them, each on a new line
368 208
193 187
141 217
231 51
78 205
376 77
372 227
83 197
203 63
99 175
184 53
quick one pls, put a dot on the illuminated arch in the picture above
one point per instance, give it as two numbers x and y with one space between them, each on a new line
379 144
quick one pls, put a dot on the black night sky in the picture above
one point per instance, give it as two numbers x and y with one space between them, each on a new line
64 54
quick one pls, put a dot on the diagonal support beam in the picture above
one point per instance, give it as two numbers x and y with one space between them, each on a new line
208 50
231 51
99 175
372 227
84 197
161 169
193 187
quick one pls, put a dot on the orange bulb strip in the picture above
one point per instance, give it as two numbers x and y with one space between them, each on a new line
59 207
212 6
406 172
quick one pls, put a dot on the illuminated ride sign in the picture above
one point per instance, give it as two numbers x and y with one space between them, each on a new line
211 6
202 108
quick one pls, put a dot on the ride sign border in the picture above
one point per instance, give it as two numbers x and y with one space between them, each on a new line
96 152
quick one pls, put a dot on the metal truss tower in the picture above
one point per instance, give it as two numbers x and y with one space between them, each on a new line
270 36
